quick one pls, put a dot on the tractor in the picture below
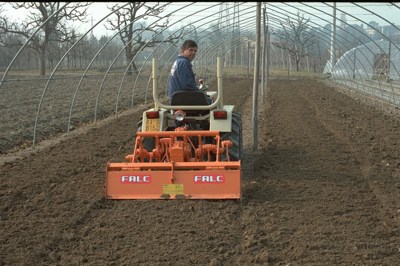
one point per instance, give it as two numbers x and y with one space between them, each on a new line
186 149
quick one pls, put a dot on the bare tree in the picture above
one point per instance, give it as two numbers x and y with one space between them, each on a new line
295 37
55 29
132 32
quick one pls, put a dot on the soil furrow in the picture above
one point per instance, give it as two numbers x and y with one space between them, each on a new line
322 189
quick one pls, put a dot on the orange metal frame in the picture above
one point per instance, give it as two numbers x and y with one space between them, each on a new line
170 171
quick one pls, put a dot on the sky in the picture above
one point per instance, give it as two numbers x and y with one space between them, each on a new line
200 11
204 13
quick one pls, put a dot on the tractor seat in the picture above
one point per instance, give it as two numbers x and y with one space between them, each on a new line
190 98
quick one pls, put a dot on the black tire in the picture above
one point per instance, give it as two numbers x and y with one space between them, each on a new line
148 143
236 150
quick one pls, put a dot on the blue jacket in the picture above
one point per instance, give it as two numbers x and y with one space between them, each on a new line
181 76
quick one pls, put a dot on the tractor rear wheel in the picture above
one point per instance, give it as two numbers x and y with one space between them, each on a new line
148 143
235 136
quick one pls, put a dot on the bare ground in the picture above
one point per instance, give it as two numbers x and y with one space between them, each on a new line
322 189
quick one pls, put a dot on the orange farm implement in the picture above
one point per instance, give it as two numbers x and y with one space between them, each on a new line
189 149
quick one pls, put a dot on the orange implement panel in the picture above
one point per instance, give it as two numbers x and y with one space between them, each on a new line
173 181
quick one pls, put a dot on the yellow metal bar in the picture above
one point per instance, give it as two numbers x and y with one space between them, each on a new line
175 165
209 133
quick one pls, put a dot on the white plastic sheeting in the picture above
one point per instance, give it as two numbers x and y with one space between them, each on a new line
371 61
373 70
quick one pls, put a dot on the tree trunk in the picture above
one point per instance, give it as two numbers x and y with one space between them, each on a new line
128 55
42 58
134 67
130 64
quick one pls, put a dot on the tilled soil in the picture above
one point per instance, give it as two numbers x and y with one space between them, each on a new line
321 189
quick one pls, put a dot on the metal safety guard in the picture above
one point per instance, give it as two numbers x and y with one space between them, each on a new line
188 178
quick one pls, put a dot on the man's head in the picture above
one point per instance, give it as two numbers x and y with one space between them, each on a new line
189 49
